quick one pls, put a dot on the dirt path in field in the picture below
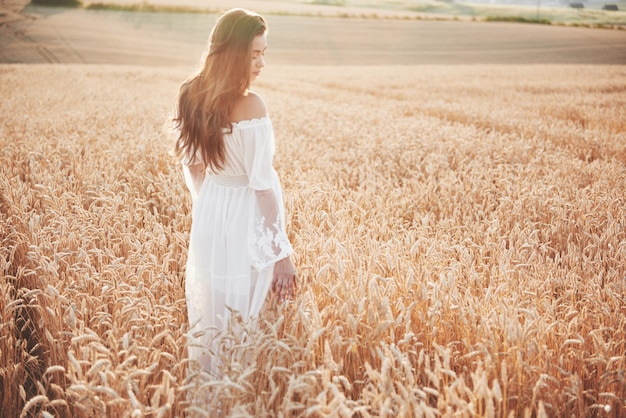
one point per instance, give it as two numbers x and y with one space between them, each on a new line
63 35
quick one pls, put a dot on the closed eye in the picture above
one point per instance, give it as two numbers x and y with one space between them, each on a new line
256 53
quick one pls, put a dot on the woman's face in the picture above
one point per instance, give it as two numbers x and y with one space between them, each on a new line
259 45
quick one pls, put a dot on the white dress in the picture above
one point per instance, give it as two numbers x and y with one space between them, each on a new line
237 234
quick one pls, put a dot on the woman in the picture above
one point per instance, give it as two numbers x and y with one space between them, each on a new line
238 246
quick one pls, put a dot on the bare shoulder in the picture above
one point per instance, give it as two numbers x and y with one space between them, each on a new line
250 106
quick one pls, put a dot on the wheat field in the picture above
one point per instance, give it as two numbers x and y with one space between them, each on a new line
459 233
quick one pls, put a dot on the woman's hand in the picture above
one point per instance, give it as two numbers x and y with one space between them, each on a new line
284 282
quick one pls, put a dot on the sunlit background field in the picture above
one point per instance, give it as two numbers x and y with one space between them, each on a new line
459 234
594 13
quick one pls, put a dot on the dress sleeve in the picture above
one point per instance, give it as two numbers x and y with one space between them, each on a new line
191 178
267 241
259 147
193 181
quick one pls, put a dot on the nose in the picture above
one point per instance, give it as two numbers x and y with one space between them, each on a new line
261 62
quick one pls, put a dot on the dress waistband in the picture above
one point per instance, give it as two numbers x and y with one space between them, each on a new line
229 181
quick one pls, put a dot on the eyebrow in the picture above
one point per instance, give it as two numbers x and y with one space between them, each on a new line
258 50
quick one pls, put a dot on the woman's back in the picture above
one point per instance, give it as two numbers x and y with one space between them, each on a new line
249 140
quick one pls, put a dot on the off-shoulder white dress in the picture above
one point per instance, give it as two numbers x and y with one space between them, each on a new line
237 234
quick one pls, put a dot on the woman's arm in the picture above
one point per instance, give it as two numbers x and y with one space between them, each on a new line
194 177
284 280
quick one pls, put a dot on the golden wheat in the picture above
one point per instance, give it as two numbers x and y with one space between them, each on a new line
459 233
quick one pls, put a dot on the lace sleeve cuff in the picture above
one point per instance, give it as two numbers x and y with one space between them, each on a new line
268 241
268 244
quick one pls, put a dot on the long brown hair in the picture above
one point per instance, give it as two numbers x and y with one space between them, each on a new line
205 100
